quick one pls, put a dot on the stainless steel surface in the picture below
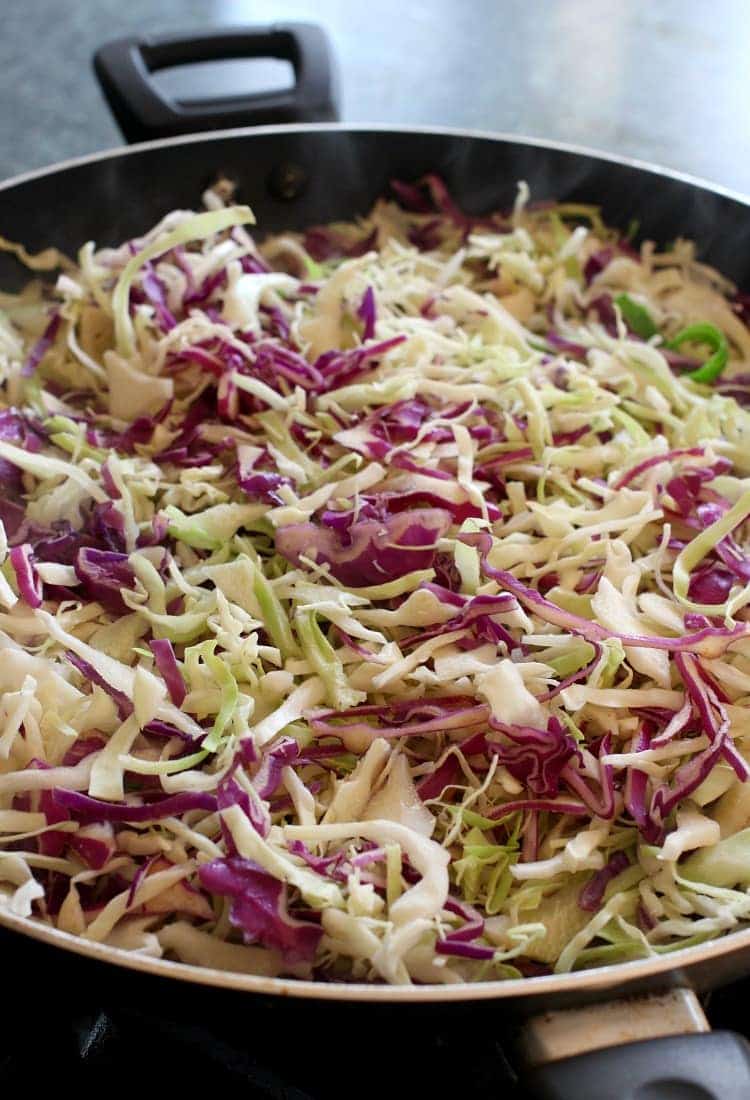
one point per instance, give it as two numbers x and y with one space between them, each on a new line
663 82
555 1035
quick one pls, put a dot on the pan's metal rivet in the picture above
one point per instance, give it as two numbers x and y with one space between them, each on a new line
287 180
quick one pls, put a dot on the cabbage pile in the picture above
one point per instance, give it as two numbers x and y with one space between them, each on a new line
374 600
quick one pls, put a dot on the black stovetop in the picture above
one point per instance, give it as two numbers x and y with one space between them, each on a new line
92 1026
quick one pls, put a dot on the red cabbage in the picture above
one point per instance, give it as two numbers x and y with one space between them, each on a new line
157 728
530 837
735 759
139 431
189 448
277 323
696 513
366 313
429 194
685 488
402 421
427 237
710 642
636 787
596 263
338 368
252 263
592 894
735 559
534 757
12 514
460 950
420 498
123 704
435 782
446 595
106 526
647 463
15 427
166 662
157 533
156 293
474 921
82 748
710 584
230 793
570 347
562 805
259 907
94 843
476 615
376 551
678 361
603 803
677 723
353 644
329 866
604 309
247 751
108 481
177 362
314 754
715 724
260 484
103 573
273 361
370 854
83 807
42 346
645 921
198 296
268 776
29 584
19 427
54 842
139 876
411 197
323 242
737 387
402 718
523 454
588 582
58 543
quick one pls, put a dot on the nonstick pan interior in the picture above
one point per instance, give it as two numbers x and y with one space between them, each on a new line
294 177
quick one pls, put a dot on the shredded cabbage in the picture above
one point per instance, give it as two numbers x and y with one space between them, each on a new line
374 600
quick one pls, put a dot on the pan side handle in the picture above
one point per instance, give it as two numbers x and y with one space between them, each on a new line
125 70
657 1047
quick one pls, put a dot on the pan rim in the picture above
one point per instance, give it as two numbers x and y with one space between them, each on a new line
381 127
591 980
598 979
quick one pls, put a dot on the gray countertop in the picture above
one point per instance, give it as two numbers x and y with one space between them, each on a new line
666 82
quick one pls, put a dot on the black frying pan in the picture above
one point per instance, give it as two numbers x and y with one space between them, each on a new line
294 177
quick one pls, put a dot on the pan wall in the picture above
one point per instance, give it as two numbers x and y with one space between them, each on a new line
338 173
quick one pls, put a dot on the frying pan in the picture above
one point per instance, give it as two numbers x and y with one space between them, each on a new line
635 1029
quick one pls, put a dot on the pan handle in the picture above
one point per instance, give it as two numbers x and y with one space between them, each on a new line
125 68
715 1066
654 1047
